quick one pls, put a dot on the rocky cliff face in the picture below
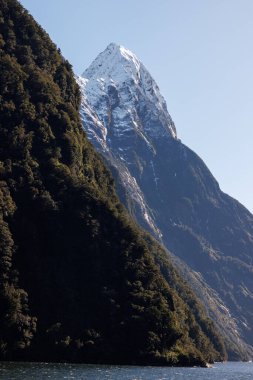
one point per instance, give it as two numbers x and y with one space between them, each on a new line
123 111
170 191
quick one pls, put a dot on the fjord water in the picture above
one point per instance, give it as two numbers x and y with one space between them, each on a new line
41 371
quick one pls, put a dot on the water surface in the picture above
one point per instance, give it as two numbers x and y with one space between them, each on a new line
42 371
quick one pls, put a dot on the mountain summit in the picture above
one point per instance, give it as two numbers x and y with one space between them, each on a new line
170 191
118 76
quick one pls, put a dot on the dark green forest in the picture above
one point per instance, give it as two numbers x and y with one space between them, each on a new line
79 281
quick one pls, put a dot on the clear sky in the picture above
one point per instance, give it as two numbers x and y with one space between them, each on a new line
200 52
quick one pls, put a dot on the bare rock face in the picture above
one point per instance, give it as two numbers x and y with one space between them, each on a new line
170 191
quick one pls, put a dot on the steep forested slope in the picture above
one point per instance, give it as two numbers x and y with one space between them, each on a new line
78 280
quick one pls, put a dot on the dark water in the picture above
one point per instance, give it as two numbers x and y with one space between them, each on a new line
41 371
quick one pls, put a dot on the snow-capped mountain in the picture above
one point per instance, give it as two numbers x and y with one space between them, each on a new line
118 81
170 191
122 106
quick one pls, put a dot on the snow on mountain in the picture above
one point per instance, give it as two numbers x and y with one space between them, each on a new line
121 90
121 101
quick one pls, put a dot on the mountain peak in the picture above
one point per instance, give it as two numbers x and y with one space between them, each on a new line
113 45
116 63
118 79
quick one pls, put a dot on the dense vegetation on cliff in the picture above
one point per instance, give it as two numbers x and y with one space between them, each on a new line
78 280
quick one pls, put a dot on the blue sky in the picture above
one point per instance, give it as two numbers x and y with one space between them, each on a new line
199 52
